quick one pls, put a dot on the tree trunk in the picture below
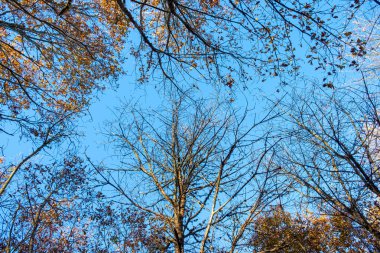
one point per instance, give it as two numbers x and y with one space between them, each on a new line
179 236
179 228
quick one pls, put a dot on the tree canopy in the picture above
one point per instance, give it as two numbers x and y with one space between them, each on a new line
214 161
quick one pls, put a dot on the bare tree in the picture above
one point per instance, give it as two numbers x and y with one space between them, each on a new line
46 210
202 170
333 152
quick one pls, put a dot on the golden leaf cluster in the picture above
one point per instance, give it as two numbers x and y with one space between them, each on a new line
54 59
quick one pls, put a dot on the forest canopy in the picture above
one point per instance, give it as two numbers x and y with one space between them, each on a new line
254 126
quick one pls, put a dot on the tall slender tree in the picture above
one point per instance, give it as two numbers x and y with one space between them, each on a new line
203 175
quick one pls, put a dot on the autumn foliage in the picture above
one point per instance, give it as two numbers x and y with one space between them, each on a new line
204 171
279 231
54 56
